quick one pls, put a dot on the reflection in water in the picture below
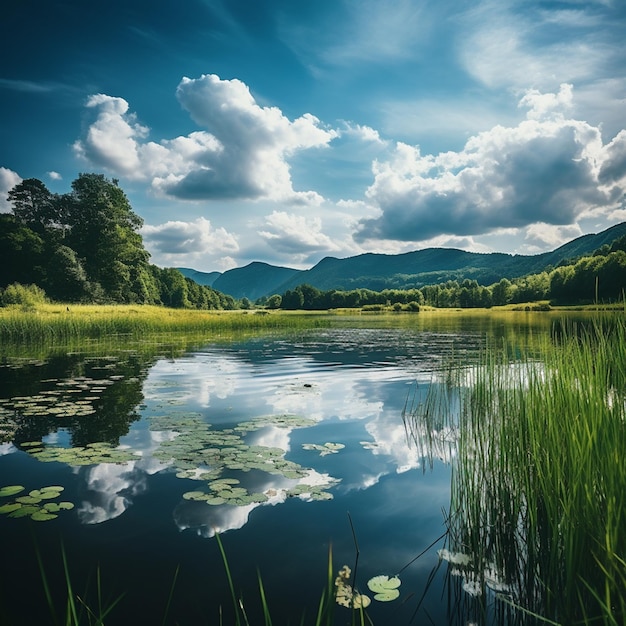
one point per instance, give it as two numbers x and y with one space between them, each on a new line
110 491
252 413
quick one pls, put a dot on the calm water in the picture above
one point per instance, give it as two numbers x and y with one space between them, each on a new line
260 414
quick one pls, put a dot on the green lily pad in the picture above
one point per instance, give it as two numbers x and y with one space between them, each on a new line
10 490
42 516
327 448
384 588
43 494
28 500
10 507
194 495
215 500
24 511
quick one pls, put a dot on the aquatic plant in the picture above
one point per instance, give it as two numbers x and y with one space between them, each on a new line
537 512
91 454
33 505
57 324
324 449
200 452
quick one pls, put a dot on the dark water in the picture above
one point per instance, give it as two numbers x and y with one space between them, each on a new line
130 524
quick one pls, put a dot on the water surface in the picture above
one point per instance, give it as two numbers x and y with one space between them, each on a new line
307 430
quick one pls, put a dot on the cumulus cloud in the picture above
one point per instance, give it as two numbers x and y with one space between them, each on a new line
242 151
541 236
8 180
111 140
188 238
54 175
543 105
546 169
296 234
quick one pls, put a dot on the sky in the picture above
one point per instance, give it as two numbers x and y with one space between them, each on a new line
285 131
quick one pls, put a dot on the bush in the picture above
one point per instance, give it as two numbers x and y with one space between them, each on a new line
26 295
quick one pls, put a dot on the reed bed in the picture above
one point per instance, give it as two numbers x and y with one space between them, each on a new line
61 324
538 508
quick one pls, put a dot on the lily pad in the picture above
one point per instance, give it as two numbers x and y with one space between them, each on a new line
24 511
28 500
327 448
194 495
42 516
384 588
10 507
10 490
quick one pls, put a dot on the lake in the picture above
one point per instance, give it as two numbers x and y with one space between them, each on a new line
288 445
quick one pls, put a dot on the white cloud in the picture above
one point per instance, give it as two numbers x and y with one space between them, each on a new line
296 235
510 45
183 244
546 169
543 105
243 153
540 237
111 140
54 175
8 180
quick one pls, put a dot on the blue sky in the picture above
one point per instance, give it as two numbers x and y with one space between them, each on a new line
285 131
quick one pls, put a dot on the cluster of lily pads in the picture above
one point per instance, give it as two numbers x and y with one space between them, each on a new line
200 452
8 425
225 491
324 449
384 588
91 454
69 398
38 504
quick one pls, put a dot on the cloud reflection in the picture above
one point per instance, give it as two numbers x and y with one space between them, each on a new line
222 388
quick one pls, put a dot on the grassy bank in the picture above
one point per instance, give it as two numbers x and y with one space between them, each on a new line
537 512
60 323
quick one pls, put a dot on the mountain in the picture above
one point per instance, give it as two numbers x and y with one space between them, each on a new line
404 271
254 280
202 278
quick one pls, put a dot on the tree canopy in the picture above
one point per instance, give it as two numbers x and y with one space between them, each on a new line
85 245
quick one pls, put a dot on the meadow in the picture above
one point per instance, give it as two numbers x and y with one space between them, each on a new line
58 323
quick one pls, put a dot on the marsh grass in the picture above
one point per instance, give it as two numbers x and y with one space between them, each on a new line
78 608
538 512
324 615
60 324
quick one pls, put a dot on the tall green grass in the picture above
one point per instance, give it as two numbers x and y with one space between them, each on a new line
60 324
538 500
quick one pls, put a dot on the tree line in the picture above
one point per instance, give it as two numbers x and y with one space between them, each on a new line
599 278
85 246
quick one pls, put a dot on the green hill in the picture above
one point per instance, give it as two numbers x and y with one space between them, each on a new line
398 271
253 280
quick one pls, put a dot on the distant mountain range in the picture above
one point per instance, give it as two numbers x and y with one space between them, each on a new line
397 271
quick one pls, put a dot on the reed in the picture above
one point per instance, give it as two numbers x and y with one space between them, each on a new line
537 511
60 324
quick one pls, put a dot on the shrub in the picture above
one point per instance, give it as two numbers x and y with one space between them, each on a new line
26 295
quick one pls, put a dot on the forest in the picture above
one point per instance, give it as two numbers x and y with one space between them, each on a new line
85 247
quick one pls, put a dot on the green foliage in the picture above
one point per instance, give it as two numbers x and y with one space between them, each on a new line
85 246
274 302
537 495
597 278
28 296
